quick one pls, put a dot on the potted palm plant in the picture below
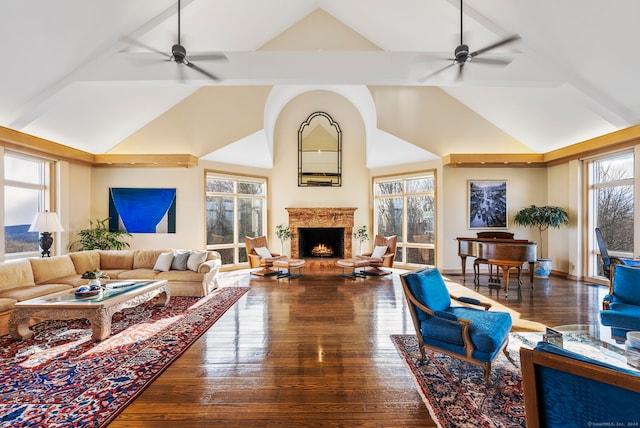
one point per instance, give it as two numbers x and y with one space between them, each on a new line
542 218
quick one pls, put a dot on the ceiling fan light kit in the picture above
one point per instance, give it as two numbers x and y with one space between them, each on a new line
178 53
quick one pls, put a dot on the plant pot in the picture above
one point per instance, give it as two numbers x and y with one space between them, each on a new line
542 268
94 281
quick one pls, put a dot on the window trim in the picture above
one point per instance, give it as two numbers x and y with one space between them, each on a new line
591 188
47 197
402 244
239 245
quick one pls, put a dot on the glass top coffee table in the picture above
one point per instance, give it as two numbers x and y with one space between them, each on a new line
98 309
595 342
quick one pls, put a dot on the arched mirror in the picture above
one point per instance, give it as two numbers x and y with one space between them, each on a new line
319 151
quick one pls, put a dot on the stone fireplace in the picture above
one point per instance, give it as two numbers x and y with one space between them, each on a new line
320 242
313 222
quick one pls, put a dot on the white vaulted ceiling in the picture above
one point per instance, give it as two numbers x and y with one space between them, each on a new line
71 73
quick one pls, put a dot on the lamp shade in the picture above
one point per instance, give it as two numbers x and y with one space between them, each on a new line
46 222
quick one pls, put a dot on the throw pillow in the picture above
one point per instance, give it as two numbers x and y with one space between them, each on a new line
196 258
263 252
180 259
379 251
163 263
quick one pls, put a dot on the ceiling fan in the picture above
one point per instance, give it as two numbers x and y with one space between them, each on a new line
462 54
179 55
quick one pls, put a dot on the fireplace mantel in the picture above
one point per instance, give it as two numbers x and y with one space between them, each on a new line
321 217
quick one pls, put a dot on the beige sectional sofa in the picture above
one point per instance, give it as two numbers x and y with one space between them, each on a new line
189 273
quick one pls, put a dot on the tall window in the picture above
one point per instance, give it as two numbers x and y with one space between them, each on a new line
405 206
236 207
27 190
611 205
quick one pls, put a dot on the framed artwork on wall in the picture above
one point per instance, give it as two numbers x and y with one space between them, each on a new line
487 204
142 210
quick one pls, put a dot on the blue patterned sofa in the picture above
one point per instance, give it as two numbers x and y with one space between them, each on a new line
564 389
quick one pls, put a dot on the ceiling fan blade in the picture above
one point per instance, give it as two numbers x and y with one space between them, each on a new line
200 70
440 70
209 57
492 61
180 73
495 45
134 42
460 70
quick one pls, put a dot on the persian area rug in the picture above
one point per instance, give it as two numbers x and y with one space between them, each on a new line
455 392
62 378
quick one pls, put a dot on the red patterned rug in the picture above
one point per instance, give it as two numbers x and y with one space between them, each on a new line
61 378
455 392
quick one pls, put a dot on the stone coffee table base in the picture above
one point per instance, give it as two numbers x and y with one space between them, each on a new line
99 314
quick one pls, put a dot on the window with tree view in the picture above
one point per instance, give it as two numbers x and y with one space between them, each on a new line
612 199
405 206
236 207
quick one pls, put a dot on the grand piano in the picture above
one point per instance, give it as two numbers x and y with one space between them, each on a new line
502 252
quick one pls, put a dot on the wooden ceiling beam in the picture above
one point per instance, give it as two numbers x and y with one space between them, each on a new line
39 146
145 161
617 140
495 160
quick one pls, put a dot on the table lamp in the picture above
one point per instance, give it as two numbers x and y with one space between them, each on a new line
45 223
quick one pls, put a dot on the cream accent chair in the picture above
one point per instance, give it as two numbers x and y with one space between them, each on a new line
259 255
383 255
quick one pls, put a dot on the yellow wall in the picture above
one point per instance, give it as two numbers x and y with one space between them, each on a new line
524 187
189 184
558 242
283 181
285 192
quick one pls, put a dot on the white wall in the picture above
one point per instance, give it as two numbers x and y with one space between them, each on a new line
284 190
189 184
558 241
282 185
525 186
74 202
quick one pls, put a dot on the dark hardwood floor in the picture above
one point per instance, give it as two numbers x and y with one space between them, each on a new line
315 351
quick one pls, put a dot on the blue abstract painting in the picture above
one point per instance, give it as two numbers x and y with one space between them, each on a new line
142 210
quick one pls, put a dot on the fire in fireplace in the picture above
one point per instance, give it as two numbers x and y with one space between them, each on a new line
321 242
322 250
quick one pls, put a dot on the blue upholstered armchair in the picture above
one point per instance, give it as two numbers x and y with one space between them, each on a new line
467 333
621 307
564 389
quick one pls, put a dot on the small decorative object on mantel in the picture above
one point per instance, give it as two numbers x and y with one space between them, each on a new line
284 234
361 235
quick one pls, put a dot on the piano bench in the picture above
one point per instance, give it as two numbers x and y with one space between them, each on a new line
476 271
506 266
